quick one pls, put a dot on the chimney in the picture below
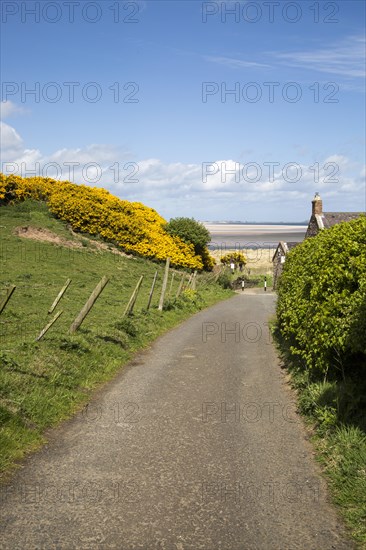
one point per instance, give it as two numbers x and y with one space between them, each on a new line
317 205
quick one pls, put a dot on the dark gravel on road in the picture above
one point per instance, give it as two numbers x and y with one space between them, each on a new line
195 445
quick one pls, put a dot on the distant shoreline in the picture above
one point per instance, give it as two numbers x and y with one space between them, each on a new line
251 236
226 227
304 223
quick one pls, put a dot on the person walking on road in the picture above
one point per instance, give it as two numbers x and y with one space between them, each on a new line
242 284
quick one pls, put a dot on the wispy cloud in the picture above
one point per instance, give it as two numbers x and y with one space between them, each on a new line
234 63
345 59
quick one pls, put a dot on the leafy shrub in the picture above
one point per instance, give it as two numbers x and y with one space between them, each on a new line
193 232
208 261
224 280
127 326
75 344
321 307
190 231
191 296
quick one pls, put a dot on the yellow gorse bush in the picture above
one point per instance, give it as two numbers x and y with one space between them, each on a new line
237 257
131 225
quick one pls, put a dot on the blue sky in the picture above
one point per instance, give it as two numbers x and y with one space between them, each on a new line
174 137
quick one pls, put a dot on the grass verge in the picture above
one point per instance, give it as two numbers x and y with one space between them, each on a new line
45 382
335 412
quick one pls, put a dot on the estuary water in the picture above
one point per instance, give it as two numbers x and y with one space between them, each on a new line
242 236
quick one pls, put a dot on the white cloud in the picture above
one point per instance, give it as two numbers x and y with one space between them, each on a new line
100 153
203 186
10 139
8 108
11 144
12 148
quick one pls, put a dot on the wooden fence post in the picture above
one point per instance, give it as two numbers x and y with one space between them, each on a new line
7 297
189 282
132 300
219 271
171 284
165 282
89 304
193 282
152 290
180 286
48 326
59 296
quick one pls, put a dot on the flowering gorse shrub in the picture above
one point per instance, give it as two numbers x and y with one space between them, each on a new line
236 257
131 225
13 188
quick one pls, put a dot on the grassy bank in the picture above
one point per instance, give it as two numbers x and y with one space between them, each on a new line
335 412
42 383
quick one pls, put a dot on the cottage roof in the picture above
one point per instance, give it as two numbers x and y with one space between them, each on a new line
332 218
285 246
323 220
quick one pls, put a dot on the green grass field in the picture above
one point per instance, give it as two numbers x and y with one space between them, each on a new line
42 383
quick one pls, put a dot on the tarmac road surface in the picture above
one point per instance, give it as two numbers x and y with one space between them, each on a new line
196 445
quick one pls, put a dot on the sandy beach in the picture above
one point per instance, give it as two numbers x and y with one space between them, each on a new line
259 261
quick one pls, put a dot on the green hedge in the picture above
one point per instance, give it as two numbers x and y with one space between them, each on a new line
321 308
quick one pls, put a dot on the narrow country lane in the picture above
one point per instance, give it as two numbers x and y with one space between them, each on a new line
195 445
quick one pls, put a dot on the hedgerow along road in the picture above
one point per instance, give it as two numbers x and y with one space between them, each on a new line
196 444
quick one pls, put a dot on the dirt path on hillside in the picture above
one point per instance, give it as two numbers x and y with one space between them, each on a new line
80 242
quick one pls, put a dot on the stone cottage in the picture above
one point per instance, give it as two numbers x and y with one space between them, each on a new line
319 220
279 258
323 220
